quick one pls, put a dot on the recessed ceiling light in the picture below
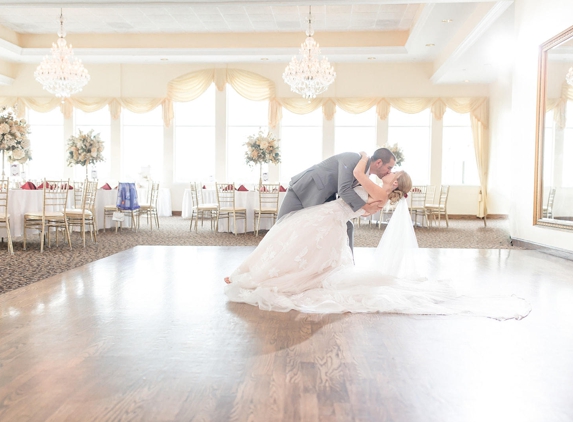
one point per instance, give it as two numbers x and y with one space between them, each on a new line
430 45
264 58
447 20
371 58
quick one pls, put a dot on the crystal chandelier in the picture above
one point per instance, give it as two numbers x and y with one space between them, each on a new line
309 75
61 73
569 76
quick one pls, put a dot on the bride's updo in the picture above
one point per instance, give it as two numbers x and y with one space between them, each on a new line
404 186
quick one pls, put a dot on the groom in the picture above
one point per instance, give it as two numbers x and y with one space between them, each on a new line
322 182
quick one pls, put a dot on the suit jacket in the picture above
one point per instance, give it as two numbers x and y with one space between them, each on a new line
321 182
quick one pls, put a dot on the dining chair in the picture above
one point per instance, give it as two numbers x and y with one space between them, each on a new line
149 208
548 209
85 216
226 201
200 209
4 216
78 188
52 216
268 204
441 208
418 196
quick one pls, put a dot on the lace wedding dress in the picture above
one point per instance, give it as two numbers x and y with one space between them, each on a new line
304 263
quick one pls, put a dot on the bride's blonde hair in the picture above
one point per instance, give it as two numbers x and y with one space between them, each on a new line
404 186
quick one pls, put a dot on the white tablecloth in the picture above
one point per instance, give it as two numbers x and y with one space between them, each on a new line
248 200
22 201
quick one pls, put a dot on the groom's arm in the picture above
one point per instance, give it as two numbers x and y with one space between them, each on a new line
346 165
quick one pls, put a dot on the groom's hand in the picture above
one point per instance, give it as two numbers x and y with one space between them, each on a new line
372 207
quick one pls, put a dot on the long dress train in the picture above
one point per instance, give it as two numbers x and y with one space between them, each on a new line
304 263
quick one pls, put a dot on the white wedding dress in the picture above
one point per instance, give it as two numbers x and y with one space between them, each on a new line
304 263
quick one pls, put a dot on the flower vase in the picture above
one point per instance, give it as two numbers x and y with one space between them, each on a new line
260 175
3 174
87 172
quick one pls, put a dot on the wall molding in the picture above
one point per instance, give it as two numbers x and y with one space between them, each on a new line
550 250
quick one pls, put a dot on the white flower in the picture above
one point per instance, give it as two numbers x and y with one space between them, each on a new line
18 154
4 128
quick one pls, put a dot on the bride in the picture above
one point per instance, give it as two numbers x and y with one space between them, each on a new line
304 263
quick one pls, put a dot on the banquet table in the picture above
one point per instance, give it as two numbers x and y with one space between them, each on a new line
22 201
248 200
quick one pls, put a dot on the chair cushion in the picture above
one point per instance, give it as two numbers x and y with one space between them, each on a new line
110 208
267 211
38 215
225 209
75 212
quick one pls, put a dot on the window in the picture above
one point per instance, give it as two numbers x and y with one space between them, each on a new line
355 132
244 118
100 122
458 155
412 133
142 145
548 149
194 144
567 175
301 142
47 144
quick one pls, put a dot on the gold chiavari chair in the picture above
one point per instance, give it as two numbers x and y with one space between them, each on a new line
52 215
149 209
227 206
4 216
548 208
268 204
78 193
418 204
200 209
441 208
84 217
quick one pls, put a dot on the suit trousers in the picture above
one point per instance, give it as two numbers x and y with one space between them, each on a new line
293 203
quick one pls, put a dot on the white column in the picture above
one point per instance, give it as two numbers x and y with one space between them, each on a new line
68 131
436 152
327 137
221 135
381 133
115 145
274 169
168 154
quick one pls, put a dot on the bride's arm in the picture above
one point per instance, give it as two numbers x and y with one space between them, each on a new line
374 191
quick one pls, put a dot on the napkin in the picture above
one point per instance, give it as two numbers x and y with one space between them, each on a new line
106 187
41 186
29 186
227 188
263 189
242 188
204 187
281 189
70 187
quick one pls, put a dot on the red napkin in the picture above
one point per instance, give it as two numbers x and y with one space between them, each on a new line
204 187
106 187
228 187
242 188
281 189
70 187
263 189
29 186
41 186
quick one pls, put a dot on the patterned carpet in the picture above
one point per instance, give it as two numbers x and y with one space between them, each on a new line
27 267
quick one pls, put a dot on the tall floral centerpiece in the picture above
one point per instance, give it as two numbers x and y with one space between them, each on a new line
398 153
14 139
85 149
262 149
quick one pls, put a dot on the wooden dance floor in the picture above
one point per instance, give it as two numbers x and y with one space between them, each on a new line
147 334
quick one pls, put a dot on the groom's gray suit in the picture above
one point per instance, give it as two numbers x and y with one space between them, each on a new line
321 183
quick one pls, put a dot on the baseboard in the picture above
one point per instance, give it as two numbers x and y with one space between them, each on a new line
550 250
176 213
473 216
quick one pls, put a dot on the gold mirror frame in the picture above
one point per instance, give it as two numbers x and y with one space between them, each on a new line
540 132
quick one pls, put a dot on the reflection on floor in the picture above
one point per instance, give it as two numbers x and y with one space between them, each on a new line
147 334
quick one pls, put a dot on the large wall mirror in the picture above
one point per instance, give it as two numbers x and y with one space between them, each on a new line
554 145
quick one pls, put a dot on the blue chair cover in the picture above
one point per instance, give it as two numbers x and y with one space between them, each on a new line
127 197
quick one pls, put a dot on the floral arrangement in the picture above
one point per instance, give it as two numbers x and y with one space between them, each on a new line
262 148
84 149
14 137
398 153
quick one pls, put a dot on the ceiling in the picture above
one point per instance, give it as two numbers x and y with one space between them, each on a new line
452 35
